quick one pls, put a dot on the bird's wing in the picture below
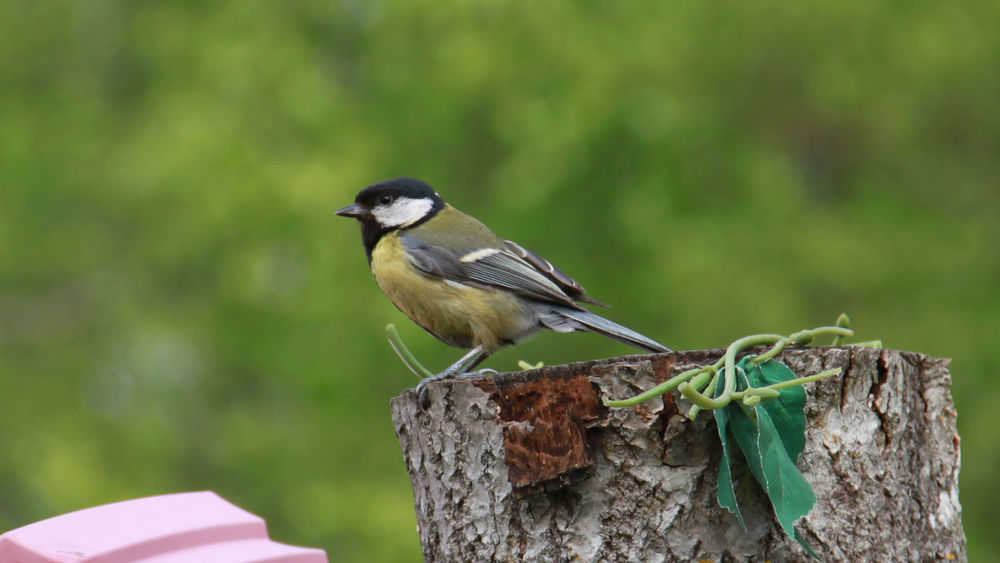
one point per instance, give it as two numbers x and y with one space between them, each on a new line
436 261
487 266
568 285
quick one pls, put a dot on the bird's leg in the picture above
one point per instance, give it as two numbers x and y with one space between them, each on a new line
463 365
458 369
486 371
470 359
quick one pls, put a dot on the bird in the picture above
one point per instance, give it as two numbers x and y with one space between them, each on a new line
462 283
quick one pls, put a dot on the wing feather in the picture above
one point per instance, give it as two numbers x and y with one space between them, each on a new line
568 285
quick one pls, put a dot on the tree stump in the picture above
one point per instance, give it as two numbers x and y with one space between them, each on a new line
531 466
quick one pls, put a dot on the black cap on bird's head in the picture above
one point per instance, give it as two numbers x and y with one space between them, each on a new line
393 204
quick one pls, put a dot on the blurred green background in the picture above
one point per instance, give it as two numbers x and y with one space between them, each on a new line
181 310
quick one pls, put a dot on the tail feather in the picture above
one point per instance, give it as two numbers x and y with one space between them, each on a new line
564 319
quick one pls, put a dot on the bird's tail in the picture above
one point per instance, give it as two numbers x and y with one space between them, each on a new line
564 319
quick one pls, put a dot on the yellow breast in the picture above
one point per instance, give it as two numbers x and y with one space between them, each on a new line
457 314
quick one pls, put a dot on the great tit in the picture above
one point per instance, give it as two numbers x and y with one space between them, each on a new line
462 283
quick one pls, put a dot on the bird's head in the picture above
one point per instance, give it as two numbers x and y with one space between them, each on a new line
394 204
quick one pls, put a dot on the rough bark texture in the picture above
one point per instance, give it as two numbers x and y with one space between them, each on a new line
531 466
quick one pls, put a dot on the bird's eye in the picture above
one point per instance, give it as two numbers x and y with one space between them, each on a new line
385 200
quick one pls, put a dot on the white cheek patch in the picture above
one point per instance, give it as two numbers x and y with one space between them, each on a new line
402 212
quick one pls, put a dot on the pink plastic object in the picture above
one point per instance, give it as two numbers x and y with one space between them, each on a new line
183 527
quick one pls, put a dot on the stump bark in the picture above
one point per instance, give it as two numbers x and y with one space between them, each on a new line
531 466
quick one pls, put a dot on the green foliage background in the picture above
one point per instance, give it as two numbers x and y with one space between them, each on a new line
181 310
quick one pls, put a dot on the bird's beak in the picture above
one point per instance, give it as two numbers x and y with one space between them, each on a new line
353 210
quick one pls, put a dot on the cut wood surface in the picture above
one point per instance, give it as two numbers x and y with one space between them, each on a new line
531 466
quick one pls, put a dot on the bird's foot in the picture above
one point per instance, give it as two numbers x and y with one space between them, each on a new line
422 397
485 372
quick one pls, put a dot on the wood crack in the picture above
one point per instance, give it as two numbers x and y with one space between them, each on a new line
877 399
